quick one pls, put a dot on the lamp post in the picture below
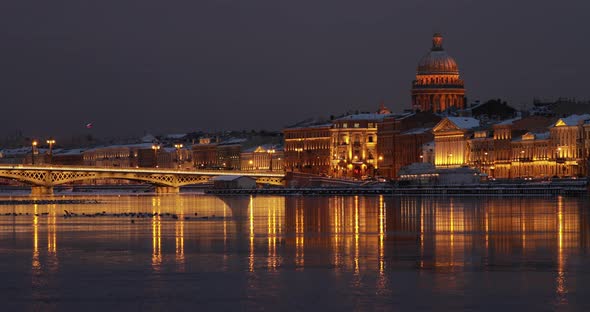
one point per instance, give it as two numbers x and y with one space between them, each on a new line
33 150
51 142
250 162
156 148
178 146
379 160
270 152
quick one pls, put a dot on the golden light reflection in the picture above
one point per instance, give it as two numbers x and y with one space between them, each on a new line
271 258
36 263
560 281
251 219
52 231
299 236
156 234
356 235
381 236
337 206
179 236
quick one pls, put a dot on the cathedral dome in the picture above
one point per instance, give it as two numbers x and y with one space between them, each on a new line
437 61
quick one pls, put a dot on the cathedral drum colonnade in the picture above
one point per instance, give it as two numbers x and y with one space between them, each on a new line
438 86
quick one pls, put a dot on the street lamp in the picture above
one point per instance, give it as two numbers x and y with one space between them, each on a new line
379 160
178 146
50 141
156 148
33 150
270 152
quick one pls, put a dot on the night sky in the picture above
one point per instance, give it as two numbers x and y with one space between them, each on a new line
166 66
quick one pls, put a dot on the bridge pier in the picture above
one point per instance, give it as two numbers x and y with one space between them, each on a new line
41 190
167 189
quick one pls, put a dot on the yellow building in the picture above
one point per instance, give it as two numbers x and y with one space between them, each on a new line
354 145
262 158
568 140
451 137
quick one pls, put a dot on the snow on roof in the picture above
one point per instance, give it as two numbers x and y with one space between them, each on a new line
464 122
542 136
573 120
137 145
509 121
148 138
363 116
323 125
176 136
233 141
74 151
416 131
228 178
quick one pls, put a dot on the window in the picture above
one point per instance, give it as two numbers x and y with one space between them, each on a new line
356 125
344 125
370 139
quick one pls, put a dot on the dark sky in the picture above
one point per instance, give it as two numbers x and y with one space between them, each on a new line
175 66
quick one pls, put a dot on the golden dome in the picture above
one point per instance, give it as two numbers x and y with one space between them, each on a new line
437 61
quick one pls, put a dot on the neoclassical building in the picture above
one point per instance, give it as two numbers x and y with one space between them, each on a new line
437 86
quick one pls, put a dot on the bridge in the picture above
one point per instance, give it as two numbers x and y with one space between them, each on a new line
43 178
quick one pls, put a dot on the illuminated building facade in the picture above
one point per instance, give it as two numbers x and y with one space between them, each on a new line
527 148
400 138
567 136
307 148
212 155
437 86
264 157
450 141
354 145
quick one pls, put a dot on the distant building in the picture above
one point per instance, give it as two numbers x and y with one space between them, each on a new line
354 145
262 158
450 141
204 154
400 138
437 86
307 148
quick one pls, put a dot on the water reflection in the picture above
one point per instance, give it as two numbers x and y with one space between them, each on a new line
366 238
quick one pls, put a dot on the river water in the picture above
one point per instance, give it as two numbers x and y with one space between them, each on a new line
297 254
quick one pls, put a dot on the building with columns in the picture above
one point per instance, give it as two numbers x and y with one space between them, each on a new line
437 86
450 141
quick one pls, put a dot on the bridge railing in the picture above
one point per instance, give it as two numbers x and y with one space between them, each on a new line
144 169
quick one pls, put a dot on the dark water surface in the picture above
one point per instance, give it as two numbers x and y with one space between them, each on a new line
297 253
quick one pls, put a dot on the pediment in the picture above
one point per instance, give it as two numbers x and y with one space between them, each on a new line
259 149
445 125
528 136
560 123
